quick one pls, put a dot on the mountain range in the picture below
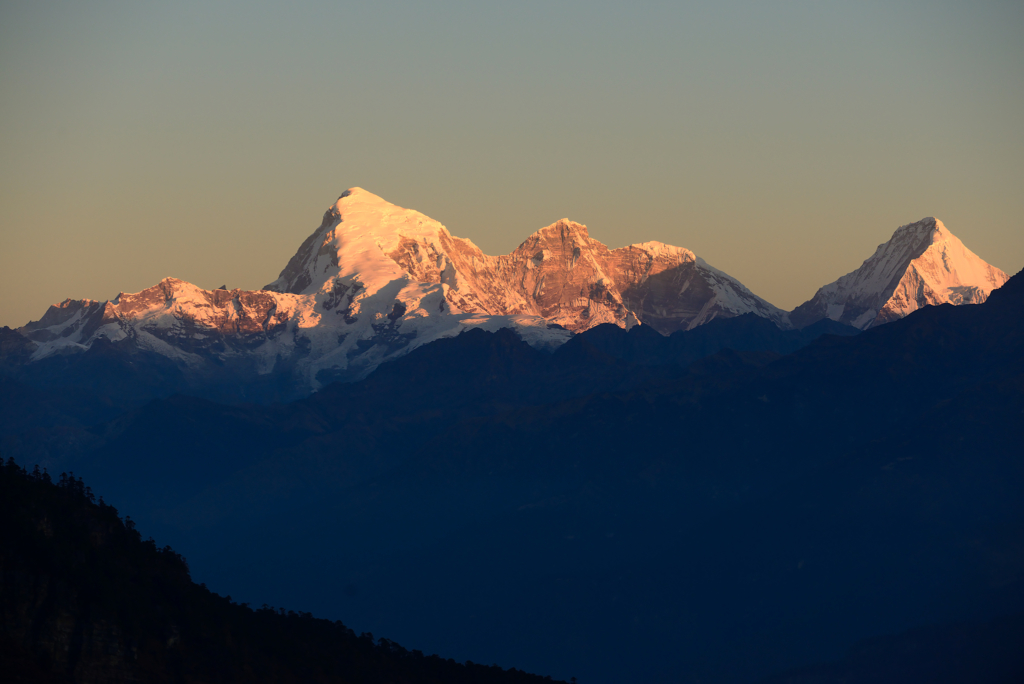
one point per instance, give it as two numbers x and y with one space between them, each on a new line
613 464
375 281
628 507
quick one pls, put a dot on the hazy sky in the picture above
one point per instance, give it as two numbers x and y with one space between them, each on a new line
781 141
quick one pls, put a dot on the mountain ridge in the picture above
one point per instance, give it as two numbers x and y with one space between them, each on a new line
558 272
375 281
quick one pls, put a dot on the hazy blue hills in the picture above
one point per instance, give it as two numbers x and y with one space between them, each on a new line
746 333
719 506
110 377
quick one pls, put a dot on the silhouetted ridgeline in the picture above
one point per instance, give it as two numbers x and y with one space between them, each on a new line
84 599
612 510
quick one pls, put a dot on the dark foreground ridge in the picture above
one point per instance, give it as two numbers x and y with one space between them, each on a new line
84 599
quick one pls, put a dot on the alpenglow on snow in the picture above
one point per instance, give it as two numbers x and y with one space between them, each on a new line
375 281
922 264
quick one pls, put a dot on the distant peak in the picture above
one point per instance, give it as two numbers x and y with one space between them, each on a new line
560 228
926 227
922 264
567 224
354 192
357 195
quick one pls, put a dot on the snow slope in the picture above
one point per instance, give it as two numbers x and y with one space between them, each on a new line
922 264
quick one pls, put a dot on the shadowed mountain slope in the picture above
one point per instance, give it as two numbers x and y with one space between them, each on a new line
747 333
721 521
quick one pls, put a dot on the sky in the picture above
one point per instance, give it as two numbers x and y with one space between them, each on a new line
780 141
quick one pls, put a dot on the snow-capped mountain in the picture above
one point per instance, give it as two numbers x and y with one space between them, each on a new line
559 273
375 281
342 333
922 264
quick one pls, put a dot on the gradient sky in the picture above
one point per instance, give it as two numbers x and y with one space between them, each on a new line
781 141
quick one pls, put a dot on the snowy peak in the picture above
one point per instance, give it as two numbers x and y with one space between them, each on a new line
371 283
374 281
562 230
558 273
922 264
356 236
925 231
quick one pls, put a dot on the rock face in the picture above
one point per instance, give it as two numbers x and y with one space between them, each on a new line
923 264
559 273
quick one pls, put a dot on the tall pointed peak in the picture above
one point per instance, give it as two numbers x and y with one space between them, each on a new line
927 223
357 195
358 233
559 230
922 264
928 230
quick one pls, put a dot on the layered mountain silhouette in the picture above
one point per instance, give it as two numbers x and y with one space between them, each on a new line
375 281
716 517
616 464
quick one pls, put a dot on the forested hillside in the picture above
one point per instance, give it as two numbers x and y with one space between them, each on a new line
83 598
